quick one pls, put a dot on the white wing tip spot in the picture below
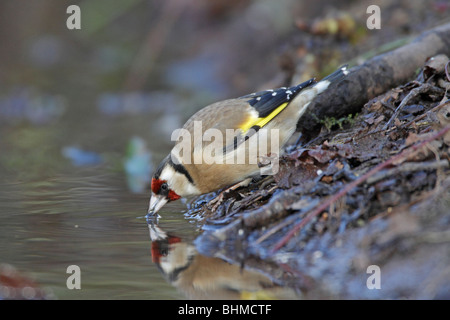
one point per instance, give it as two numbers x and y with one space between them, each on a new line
344 71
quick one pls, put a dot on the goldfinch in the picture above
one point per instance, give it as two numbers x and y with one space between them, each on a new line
202 277
218 145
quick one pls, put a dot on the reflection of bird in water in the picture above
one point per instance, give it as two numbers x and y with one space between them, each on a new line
202 277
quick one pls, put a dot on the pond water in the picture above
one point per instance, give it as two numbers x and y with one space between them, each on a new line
54 214
88 221
69 192
65 200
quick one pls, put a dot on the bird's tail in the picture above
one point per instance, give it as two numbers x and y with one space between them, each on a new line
336 76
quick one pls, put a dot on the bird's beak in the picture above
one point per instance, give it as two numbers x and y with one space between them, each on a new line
156 203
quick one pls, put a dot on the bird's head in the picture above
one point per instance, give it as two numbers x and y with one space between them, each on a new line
169 183
161 194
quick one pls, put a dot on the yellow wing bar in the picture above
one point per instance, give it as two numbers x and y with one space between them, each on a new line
261 122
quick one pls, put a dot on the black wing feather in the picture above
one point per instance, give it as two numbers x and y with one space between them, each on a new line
267 101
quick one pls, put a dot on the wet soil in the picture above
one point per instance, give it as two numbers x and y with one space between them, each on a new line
373 190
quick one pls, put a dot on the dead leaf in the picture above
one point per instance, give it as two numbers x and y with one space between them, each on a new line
327 179
321 155
412 139
434 65
378 120
370 120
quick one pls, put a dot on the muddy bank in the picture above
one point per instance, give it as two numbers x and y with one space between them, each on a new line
372 190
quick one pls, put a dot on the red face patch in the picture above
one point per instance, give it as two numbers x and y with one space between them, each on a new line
156 248
173 196
156 185
156 188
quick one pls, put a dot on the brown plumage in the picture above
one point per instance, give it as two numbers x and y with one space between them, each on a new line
230 133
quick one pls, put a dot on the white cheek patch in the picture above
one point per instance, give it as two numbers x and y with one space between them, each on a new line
180 256
167 174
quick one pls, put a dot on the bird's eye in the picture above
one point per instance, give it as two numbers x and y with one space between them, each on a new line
164 187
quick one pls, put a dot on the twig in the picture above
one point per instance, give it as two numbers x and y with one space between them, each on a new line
446 71
275 209
274 230
412 94
408 167
424 115
403 155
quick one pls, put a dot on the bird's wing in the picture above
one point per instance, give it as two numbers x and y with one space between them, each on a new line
238 119
269 103
265 106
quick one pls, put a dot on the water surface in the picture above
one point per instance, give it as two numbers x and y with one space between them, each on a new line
54 214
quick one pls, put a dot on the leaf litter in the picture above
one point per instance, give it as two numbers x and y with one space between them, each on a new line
374 192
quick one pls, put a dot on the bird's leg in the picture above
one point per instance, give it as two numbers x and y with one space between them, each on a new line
219 199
